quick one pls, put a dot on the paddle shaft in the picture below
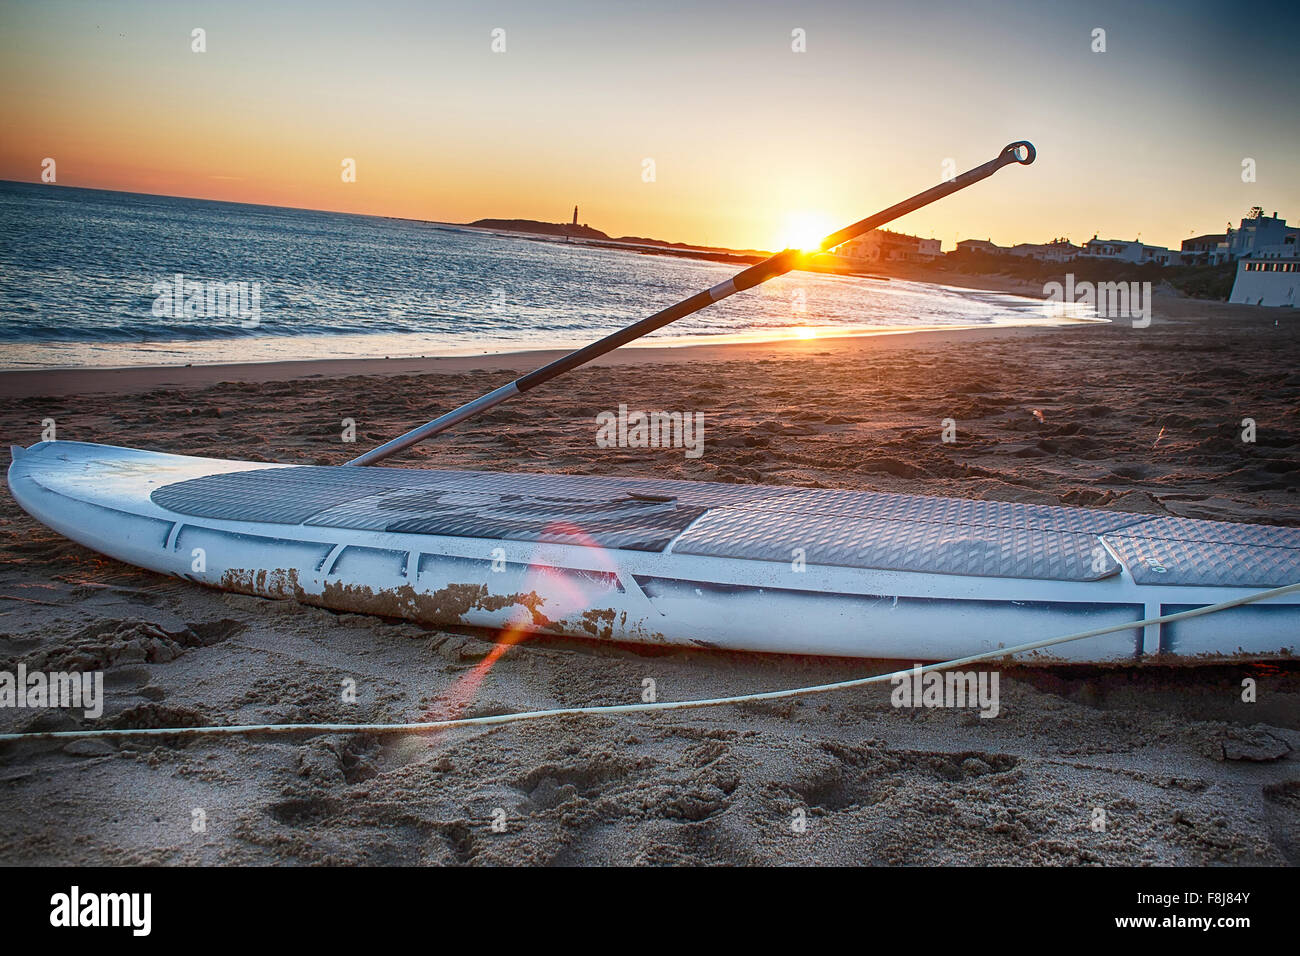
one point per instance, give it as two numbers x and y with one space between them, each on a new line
777 265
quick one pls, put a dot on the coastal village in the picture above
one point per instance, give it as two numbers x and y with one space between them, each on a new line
1265 248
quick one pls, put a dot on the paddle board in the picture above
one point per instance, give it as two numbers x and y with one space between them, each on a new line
695 564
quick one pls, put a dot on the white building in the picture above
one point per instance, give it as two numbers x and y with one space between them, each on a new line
929 248
881 245
1256 232
1270 275
1058 250
980 245
1207 250
1128 250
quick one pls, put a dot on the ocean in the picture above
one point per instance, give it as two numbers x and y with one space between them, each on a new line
97 278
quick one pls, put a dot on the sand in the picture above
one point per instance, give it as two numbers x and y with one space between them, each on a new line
1144 420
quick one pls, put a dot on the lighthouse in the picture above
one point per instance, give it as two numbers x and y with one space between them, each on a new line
575 215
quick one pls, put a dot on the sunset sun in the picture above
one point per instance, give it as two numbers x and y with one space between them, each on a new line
805 230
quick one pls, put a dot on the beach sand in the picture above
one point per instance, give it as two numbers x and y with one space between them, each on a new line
1145 420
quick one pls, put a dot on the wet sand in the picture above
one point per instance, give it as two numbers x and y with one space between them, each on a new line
1142 420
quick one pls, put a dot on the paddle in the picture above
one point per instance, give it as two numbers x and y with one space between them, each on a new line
779 264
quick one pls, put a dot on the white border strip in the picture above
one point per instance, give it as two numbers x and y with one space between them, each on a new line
722 290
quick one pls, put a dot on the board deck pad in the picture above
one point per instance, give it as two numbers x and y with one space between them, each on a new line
422 504
872 530
899 545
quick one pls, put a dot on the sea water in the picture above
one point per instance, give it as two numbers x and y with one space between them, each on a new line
96 278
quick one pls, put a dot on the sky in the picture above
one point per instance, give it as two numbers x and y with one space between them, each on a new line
749 139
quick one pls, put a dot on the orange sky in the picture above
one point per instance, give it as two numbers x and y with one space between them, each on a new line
746 134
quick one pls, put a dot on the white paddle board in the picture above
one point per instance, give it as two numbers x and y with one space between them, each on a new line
697 564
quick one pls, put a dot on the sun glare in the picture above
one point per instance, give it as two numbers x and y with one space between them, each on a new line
806 230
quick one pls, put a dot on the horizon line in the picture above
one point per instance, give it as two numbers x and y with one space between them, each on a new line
446 222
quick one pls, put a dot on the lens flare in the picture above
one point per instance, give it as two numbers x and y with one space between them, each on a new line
563 595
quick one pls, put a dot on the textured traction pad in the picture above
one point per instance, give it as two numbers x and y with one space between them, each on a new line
416 502
868 530
1209 553
899 545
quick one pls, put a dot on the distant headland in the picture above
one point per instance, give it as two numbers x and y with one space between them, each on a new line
585 234
573 230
